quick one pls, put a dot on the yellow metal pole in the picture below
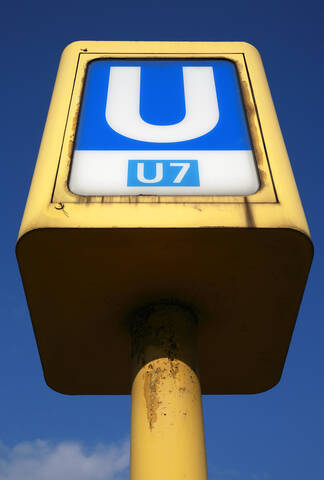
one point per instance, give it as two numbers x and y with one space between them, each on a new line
167 434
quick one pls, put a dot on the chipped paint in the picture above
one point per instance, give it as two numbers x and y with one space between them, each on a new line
167 385
167 435
152 378
162 335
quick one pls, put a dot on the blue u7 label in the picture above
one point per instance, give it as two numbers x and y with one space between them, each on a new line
163 173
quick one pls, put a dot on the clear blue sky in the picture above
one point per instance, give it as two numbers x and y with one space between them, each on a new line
277 435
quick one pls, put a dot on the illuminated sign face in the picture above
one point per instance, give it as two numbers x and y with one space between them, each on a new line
162 127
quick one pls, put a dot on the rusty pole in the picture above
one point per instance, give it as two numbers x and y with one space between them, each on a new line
167 434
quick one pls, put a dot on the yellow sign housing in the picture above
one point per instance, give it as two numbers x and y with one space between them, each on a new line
87 262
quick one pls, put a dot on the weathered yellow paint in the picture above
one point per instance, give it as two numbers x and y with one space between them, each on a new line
276 204
167 435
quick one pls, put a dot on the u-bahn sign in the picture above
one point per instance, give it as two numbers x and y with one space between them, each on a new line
163 127
163 176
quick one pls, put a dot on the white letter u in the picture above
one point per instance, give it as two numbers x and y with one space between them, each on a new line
123 106
158 173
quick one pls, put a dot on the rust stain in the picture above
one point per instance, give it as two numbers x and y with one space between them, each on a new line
254 131
74 126
152 378
257 143
70 146
73 129
174 368
248 213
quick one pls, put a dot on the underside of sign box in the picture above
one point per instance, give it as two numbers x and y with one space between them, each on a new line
87 261
244 285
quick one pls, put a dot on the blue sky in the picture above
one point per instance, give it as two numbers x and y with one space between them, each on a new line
274 435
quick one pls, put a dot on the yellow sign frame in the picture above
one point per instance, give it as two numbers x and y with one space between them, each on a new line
51 204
